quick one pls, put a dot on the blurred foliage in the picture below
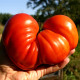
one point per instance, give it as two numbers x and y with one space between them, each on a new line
4 18
48 8
1 28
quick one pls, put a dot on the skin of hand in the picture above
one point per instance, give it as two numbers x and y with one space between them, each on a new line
8 71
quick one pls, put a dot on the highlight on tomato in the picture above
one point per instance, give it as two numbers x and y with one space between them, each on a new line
28 49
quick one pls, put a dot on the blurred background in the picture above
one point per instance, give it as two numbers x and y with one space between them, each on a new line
41 10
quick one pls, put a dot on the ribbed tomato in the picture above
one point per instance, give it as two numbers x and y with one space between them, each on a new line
27 49
19 39
58 38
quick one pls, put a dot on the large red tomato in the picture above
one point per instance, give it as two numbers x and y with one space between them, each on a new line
27 49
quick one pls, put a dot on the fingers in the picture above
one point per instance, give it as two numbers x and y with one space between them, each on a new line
71 52
64 63
51 69
66 60
46 70
59 66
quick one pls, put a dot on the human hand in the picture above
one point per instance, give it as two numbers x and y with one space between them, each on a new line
9 71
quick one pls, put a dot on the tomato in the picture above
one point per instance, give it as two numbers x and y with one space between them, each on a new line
19 39
60 35
27 48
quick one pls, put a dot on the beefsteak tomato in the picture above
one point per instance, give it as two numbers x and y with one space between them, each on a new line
27 49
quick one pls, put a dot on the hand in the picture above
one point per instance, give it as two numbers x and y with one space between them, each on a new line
9 71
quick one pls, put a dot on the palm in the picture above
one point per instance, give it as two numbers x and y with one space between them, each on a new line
9 71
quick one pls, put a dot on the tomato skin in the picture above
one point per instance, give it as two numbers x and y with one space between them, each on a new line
54 48
27 49
65 26
19 39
